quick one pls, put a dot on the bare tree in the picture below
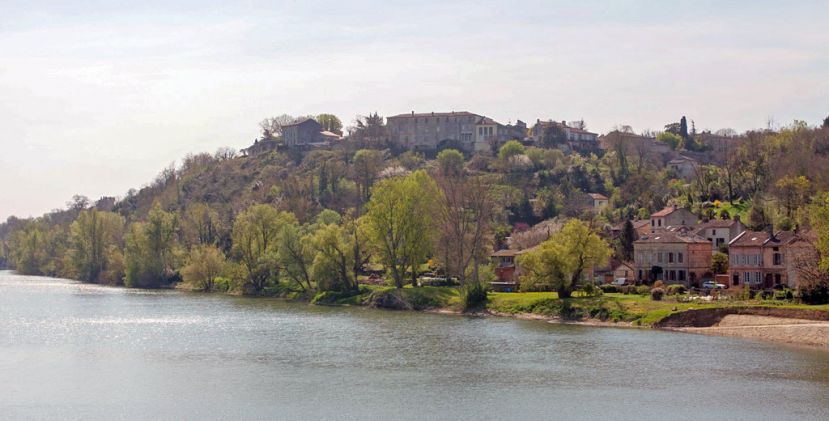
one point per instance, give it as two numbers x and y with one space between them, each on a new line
272 127
464 217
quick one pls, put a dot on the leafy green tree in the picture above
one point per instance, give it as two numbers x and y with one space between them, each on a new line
510 149
671 139
205 264
562 260
450 162
719 263
151 249
256 234
296 254
27 248
333 260
331 123
399 222
91 237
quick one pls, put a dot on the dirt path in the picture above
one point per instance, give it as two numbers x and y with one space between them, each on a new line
776 329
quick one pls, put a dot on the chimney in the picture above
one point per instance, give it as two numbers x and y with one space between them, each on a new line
563 123
737 218
770 231
412 112
673 206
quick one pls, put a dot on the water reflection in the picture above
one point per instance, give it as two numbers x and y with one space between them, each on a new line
97 352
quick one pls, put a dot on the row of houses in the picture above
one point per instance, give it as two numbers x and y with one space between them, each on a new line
673 246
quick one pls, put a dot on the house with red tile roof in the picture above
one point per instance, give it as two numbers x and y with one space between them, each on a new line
672 256
672 216
763 259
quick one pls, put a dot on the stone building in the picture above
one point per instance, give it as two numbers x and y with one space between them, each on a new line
672 256
720 232
302 133
430 131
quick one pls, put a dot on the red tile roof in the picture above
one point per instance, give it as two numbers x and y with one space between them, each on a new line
665 212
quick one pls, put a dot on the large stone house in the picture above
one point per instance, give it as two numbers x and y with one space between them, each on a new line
763 259
303 133
720 232
430 131
672 217
672 256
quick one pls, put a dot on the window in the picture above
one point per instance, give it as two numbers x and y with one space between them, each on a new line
757 277
679 257
746 277
681 274
670 257
778 259
713 232
660 222
653 223
659 257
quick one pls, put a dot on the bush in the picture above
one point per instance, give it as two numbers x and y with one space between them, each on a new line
657 293
609 289
473 295
643 290
676 289
627 289
659 284
590 290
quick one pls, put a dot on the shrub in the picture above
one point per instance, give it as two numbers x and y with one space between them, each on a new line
473 295
659 284
590 290
627 289
609 289
657 293
676 289
643 290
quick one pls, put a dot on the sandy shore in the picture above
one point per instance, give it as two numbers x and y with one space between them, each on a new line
775 329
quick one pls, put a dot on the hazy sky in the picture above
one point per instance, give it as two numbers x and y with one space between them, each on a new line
97 97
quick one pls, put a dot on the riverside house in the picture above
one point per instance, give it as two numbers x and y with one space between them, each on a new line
763 259
675 256
507 270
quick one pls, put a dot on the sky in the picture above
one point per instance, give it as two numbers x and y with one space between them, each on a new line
97 97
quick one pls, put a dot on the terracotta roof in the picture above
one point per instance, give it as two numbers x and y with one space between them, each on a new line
717 223
442 114
667 211
597 196
672 237
761 238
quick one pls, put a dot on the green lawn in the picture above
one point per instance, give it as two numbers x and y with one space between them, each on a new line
741 208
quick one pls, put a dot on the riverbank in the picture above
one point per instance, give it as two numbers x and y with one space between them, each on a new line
774 321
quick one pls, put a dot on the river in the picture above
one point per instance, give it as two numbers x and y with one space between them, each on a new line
77 351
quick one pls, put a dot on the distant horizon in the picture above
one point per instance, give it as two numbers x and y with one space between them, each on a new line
97 99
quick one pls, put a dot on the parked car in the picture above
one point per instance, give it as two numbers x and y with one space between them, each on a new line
712 285
619 282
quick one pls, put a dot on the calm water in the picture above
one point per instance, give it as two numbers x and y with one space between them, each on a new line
74 351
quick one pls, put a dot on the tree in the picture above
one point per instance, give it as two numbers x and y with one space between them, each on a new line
671 139
826 122
151 249
757 219
683 128
205 264
200 225
91 237
368 131
450 162
793 192
296 255
333 260
562 260
553 135
627 238
399 220
272 127
510 149
719 263
464 217
331 123
367 164
256 241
